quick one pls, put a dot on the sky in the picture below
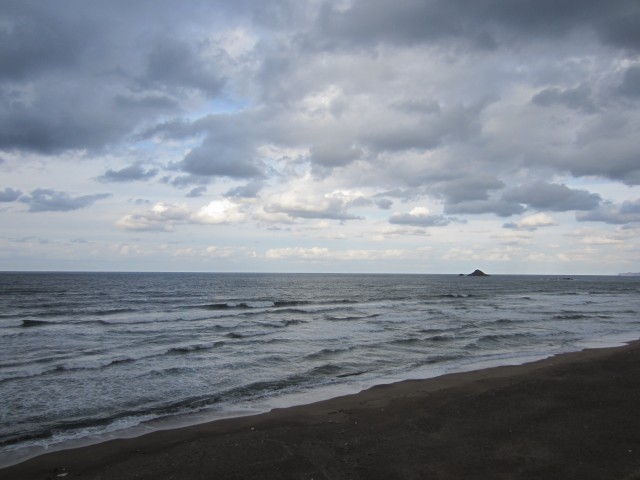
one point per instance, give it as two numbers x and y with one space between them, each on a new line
387 136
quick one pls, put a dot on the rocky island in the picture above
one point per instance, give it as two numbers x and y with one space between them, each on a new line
478 273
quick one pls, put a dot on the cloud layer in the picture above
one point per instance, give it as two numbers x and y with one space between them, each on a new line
307 130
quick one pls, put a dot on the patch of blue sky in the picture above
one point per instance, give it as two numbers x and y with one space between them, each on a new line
224 104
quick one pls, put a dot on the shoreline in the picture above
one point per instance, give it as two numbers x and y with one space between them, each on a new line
573 415
299 399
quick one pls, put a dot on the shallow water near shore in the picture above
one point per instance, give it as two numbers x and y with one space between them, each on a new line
107 354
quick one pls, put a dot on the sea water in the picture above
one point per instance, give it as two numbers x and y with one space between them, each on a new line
92 355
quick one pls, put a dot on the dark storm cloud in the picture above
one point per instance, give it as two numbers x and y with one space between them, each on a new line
9 195
417 105
483 23
185 181
197 192
475 193
552 197
84 75
403 194
630 86
403 22
47 200
174 63
481 194
468 188
227 151
174 129
71 114
54 121
578 98
334 83
250 190
334 154
608 151
495 206
427 131
128 174
625 213
148 102
384 203
218 159
33 40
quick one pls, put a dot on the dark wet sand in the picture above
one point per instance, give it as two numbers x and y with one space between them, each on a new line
574 416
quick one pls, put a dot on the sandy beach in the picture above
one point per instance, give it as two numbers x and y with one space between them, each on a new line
571 416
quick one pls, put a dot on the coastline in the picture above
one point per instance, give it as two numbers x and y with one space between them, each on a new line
573 415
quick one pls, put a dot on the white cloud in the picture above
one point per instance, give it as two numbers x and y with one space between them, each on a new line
322 253
313 253
420 217
160 217
297 204
537 220
219 212
164 217
532 222
211 251
547 257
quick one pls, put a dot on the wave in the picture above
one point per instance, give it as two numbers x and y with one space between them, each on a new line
346 318
441 338
258 339
35 323
55 432
299 311
352 374
309 378
112 311
455 295
292 321
195 347
290 303
501 321
500 339
76 312
261 304
235 335
404 341
88 364
327 352
282 323
437 359
52 432
223 306
245 305
571 316
432 330
419 340
132 417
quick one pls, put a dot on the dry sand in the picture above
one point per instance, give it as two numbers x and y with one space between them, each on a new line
574 416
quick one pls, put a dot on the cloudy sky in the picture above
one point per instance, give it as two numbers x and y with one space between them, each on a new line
434 136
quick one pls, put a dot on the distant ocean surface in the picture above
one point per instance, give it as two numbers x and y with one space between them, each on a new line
99 354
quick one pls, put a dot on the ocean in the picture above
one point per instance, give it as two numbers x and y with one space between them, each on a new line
86 357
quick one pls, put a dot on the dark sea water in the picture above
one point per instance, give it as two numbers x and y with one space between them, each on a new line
93 355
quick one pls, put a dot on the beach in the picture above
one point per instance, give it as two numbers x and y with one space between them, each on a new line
574 415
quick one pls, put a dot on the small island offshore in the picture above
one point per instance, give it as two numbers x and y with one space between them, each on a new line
475 273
